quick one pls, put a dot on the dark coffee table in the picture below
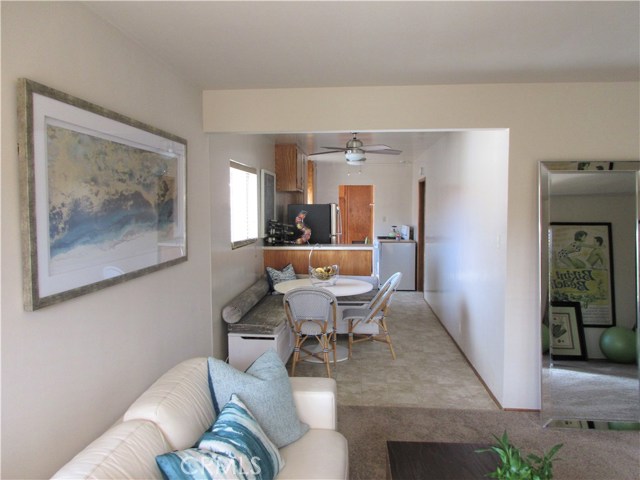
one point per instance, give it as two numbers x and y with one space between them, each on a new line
441 461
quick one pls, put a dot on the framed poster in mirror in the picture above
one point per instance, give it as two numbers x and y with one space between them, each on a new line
581 270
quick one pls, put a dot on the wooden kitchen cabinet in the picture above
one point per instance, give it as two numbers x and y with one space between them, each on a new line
290 163
352 259
310 192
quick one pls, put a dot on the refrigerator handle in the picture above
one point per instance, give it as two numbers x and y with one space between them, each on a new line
337 233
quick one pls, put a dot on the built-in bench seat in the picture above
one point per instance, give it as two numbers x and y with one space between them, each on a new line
256 321
263 316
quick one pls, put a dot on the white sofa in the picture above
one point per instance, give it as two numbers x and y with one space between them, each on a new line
175 411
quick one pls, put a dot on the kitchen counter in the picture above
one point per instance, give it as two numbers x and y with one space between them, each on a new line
352 259
324 246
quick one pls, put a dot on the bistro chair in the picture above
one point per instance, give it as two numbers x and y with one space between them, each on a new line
369 323
311 313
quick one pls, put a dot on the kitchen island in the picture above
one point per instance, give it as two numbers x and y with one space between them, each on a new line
352 259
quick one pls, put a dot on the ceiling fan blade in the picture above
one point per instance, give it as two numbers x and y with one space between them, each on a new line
339 149
371 148
389 151
323 153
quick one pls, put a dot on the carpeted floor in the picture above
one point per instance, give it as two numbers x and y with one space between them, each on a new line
586 454
430 393
591 390
429 370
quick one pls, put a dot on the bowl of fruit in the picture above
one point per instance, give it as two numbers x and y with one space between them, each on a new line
323 275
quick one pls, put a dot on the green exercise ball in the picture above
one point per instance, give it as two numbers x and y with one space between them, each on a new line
618 344
545 338
623 425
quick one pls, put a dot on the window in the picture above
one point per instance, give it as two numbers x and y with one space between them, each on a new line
243 187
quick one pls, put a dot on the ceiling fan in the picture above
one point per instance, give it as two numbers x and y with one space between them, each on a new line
355 150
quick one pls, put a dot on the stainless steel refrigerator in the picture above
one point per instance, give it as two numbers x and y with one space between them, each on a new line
322 219
391 256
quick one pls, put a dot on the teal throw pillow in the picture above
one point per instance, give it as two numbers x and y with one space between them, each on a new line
234 447
265 389
196 464
237 434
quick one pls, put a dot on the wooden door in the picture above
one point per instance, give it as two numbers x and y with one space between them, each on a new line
421 235
356 209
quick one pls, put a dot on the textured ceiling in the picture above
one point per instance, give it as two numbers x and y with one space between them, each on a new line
242 44
239 44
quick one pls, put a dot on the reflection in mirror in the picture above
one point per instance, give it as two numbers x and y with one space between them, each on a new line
589 294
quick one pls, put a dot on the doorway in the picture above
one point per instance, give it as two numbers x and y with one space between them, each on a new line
356 208
420 235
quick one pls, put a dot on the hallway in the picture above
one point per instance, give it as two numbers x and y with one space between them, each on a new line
429 372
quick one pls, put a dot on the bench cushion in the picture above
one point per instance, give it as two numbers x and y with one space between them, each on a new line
244 302
263 318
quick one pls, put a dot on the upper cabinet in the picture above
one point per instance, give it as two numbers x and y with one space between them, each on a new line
310 192
290 163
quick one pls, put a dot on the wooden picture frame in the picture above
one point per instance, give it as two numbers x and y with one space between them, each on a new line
595 165
566 334
267 200
581 269
103 196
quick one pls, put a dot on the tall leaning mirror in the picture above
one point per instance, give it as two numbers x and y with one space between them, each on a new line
589 214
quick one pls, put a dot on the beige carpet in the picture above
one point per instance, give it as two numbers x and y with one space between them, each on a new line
429 370
430 393
592 390
586 454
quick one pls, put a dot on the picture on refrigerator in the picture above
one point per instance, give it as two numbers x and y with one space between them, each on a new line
314 223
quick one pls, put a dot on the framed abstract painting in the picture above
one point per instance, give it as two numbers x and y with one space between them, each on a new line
267 201
103 196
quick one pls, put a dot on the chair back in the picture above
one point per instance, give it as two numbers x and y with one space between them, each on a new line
380 302
310 304
392 283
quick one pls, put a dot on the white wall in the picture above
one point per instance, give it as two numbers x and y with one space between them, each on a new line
232 270
465 247
567 121
70 370
391 196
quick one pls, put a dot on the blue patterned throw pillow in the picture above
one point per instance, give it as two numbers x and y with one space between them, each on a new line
265 389
235 447
275 276
196 464
237 434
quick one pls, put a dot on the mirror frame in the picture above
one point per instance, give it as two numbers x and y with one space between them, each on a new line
544 179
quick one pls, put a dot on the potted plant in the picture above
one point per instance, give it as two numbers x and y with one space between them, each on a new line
514 466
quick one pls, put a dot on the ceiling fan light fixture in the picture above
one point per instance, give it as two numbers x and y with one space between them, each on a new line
356 163
355 156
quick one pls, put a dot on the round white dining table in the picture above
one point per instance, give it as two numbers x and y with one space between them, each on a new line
342 288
